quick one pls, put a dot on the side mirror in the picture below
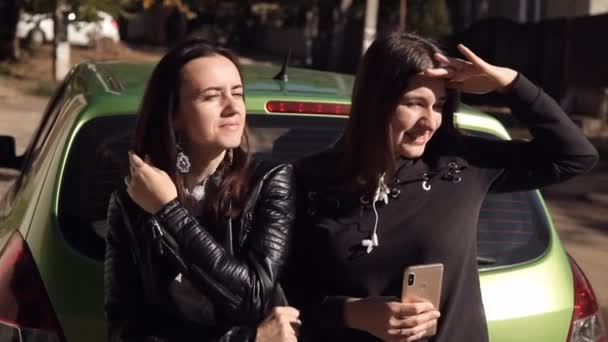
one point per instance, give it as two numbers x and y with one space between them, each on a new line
8 157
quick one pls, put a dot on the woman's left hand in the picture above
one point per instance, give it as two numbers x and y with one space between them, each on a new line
473 75
148 186
282 325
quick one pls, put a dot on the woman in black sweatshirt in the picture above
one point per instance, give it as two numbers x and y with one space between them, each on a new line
403 187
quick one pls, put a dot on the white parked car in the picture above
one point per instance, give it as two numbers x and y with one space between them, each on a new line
38 29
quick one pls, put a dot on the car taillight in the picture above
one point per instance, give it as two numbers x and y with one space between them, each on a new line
25 311
307 107
587 324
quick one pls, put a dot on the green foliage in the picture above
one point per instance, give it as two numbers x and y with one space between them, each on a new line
39 6
429 18
84 9
88 7
5 69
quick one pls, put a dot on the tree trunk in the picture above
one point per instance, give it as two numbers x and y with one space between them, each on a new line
322 44
9 16
336 53
371 21
402 15
61 46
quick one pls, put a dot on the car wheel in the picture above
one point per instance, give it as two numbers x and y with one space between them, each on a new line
36 38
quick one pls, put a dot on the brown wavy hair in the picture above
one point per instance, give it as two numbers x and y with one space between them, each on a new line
155 135
366 147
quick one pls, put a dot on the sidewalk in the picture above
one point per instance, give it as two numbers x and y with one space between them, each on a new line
19 117
19 113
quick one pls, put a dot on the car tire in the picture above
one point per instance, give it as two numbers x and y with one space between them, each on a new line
36 38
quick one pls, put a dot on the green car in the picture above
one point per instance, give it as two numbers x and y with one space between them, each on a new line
52 219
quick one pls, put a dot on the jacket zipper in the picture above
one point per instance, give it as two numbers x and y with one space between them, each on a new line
234 300
158 234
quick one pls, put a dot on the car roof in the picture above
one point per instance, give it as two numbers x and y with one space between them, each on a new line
128 80
117 87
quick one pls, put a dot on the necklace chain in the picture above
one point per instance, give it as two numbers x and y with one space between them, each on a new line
198 191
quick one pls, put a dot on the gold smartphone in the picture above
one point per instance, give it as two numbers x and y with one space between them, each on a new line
423 282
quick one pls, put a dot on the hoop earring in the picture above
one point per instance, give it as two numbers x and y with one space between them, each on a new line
183 162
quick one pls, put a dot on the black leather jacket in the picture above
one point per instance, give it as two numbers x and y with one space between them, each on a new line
239 275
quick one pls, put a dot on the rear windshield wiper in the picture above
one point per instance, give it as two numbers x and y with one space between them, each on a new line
485 261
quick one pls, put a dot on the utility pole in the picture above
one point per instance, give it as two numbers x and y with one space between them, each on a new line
61 46
371 20
402 15
341 19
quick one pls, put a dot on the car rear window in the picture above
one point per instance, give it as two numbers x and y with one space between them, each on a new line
97 162
513 227
286 138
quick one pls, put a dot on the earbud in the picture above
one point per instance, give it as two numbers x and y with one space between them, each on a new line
381 195
370 243
382 191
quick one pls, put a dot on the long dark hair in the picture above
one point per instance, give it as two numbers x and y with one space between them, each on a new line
155 135
382 77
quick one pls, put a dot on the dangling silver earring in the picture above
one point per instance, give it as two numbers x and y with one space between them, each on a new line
183 162
230 156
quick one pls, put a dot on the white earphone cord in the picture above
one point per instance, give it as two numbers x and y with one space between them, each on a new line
381 194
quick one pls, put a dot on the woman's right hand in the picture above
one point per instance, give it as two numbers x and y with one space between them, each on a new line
148 186
282 325
473 74
389 319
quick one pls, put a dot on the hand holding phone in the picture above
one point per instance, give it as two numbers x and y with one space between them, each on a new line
423 282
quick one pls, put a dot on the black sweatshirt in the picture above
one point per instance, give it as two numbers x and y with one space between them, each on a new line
420 227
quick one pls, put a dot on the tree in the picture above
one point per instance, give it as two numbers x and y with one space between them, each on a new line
9 16
10 11
84 9
429 17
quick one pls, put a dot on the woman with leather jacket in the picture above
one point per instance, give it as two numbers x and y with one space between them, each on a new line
404 187
199 234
